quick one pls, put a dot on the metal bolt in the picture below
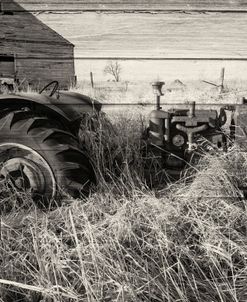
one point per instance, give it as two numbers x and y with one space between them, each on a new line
19 182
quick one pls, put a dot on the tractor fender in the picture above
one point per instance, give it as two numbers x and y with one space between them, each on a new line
69 106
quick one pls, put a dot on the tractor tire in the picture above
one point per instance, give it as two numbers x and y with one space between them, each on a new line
38 155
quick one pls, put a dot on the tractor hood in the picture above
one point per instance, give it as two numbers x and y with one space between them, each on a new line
70 105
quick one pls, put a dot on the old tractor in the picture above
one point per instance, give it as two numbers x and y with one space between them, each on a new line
40 151
175 136
39 148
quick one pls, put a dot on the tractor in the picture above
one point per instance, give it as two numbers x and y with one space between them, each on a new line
39 147
178 137
40 150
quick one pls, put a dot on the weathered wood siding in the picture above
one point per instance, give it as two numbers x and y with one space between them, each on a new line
164 36
7 66
41 54
167 45
130 5
187 36
40 63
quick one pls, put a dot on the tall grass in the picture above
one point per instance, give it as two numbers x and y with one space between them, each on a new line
185 242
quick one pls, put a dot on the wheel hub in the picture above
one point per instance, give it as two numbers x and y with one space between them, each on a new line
24 174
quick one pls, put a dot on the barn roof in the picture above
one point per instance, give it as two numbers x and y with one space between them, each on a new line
19 25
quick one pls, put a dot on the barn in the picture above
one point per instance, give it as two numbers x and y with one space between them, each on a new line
30 51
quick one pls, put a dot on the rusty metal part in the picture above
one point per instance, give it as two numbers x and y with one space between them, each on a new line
191 112
190 133
70 106
158 127
209 117
26 169
24 174
157 89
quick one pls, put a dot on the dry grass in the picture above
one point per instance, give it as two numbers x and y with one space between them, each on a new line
186 242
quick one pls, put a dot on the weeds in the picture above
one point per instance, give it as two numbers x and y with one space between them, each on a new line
128 243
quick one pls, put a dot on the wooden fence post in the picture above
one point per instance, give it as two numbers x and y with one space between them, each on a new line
91 79
222 77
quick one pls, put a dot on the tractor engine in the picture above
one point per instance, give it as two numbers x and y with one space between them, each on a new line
176 134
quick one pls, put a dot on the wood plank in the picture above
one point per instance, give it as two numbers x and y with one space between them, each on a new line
154 36
130 5
7 68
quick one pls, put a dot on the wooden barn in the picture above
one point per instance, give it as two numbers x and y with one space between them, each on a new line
30 51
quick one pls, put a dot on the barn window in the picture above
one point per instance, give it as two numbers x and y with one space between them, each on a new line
4 11
7 66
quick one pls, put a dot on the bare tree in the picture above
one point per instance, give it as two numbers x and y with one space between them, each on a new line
113 68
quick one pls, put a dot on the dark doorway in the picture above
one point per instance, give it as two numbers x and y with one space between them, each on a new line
7 66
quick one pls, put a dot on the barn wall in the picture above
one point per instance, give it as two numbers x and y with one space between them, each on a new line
124 5
149 44
39 63
143 35
42 55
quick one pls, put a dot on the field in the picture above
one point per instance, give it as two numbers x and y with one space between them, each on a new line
140 93
186 241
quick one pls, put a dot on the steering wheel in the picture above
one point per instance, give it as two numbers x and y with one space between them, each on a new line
222 117
55 88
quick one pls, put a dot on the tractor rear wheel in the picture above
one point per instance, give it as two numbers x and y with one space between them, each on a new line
38 155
